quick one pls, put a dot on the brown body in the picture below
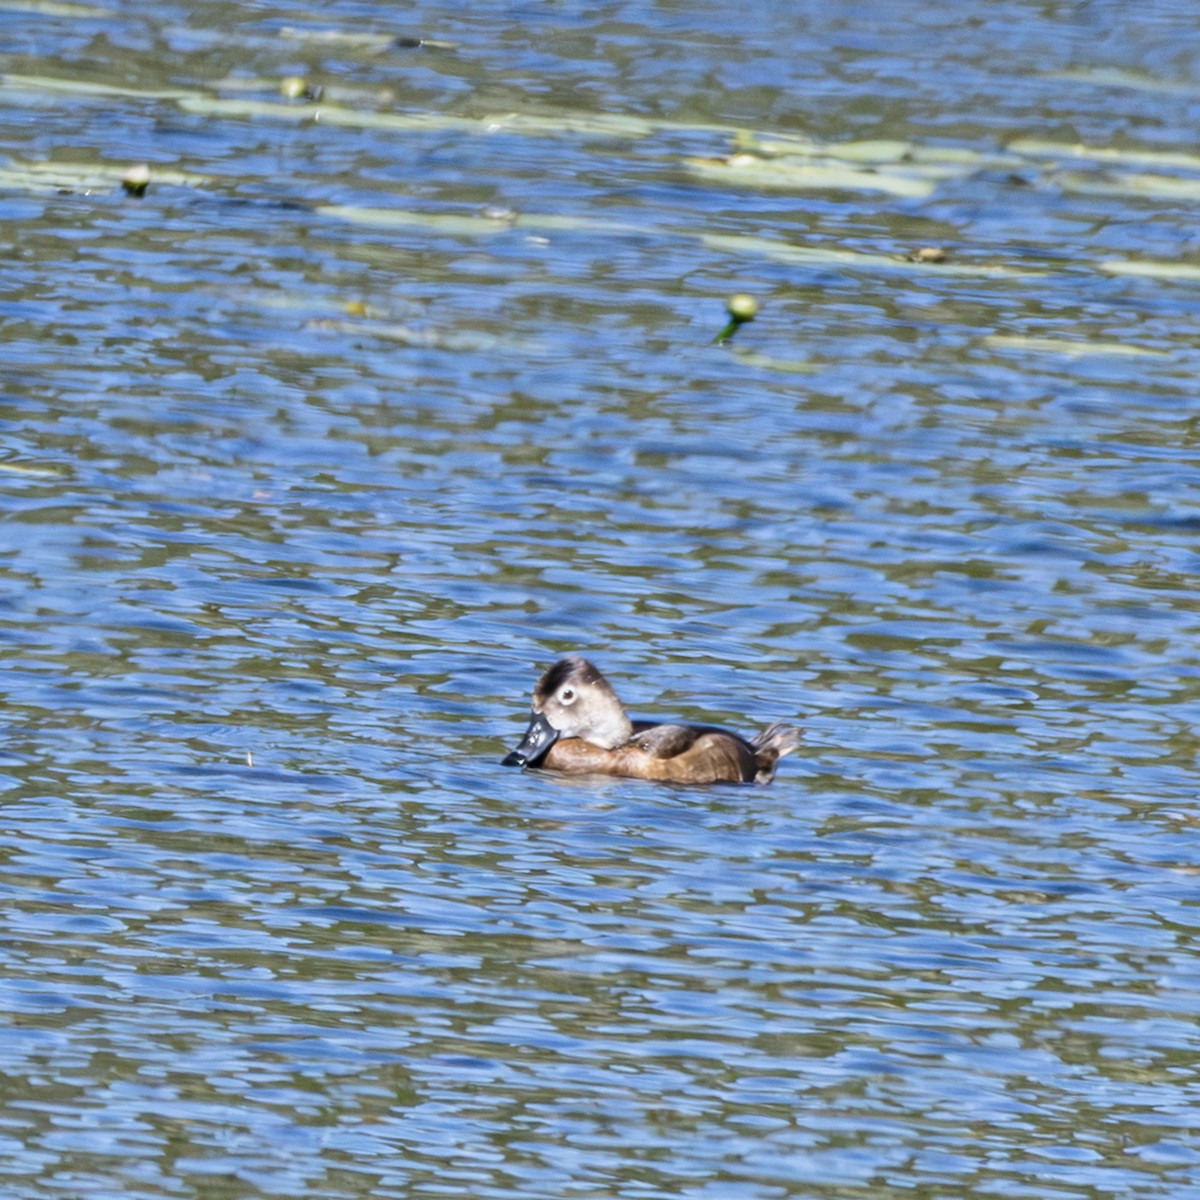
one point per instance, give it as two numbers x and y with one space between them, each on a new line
579 726
708 756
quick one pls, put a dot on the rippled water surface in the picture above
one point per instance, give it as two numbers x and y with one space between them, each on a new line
398 382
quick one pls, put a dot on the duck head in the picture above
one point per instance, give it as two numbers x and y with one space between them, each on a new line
571 700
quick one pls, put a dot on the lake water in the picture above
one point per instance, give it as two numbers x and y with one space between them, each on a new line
397 383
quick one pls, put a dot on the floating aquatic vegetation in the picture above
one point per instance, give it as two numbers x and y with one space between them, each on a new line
1161 187
833 256
741 308
463 224
88 177
1117 77
742 245
336 114
1148 269
377 42
1036 148
473 224
16 468
296 87
433 339
10 82
1070 347
251 108
600 125
894 167
136 180
1106 178
796 174
793 163
876 151
56 8
770 362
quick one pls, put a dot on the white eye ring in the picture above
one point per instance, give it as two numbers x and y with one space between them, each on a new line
567 696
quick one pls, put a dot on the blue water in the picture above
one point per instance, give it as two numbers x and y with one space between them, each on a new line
315 455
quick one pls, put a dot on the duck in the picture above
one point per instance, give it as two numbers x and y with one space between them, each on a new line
579 726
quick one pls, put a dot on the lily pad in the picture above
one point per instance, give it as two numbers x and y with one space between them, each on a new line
769 362
1060 151
1147 269
471 224
431 339
18 468
832 256
797 174
85 87
1069 347
84 177
1135 80
56 8
1161 187
357 118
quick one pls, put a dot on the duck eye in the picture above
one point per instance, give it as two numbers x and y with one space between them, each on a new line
567 696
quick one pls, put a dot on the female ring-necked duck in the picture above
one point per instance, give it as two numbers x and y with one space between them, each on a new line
580 727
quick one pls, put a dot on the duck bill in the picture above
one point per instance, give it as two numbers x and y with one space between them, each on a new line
539 737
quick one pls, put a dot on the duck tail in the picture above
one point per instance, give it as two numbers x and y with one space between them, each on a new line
770 746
